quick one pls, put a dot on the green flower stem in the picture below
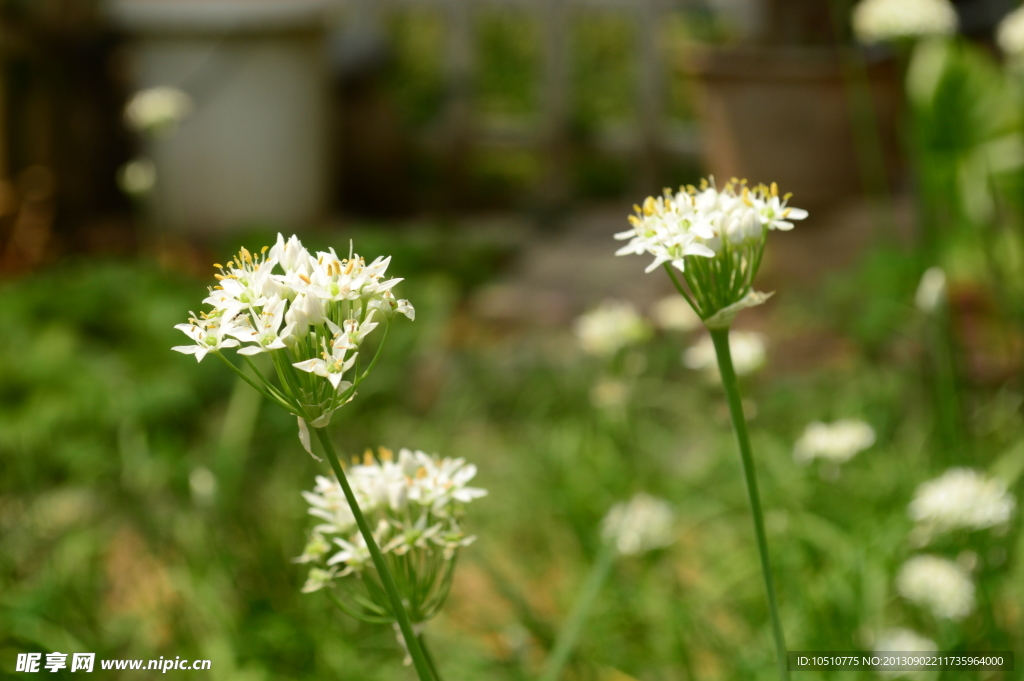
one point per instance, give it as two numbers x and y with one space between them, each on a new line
430 658
397 607
566 640
720 337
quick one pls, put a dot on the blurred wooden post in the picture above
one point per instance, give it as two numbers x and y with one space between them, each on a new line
650 84
459 114
555 103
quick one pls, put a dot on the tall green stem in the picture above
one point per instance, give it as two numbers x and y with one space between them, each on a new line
398 608
739 422
566 640
430 658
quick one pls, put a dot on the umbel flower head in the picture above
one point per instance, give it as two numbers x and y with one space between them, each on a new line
961 499
938 585
715 238
416 503
309 313
1010 34
642 524
837 442
880 20
610 327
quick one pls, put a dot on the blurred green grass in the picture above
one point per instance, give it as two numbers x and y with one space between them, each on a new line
111 540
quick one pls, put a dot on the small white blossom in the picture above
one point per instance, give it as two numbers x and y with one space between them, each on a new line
746 347
211 334
644 523
157 108
931 292
673 313
610 327
938 585
879 20
1010 34
961 498
837 442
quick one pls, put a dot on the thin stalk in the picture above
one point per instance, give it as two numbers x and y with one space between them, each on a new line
430 658
680 288
720 337
388 582
566 640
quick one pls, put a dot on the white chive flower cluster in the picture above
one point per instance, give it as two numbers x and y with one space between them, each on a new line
310 313
938 585
610 327
881 20
157 109
1010 34
903 640
642 524
836 442
715 237
415 503
961 499
746 347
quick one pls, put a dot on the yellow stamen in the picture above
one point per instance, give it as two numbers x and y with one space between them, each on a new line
775 189
368 458
304 278
385 454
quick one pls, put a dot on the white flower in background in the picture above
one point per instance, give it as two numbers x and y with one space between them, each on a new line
610 327
747 349
903 640
673 313
961 498
1010 34
836 442
937 585
644 523
878 20
415 502
892 640
609 394
312 313
157 108
694 222
931 292
137 177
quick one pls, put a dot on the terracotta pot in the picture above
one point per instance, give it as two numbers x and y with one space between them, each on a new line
785 115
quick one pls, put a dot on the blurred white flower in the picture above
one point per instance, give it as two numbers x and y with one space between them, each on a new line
878 20
938 585
137 177
644 523
203 484
1010 34
157 109
609 394
747 349
610 327
835 442
931 292
673 313
898 639
903 640
961 498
